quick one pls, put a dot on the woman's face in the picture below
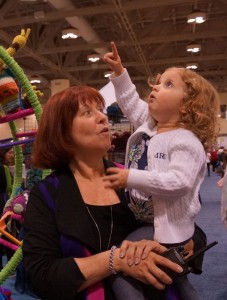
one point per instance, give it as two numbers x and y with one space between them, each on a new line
90 130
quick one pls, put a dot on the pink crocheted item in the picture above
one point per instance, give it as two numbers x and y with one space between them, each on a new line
17 115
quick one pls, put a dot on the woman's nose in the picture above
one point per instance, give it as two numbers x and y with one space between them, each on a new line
102 117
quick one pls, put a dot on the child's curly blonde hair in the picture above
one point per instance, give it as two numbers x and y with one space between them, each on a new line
199 112
200 107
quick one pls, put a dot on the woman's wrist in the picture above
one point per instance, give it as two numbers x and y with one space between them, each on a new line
114 260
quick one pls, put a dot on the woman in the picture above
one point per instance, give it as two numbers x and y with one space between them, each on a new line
7 159
72 221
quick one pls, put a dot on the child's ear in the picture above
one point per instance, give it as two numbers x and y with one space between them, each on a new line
183 110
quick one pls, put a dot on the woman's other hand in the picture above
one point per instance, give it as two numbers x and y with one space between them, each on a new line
149 269
136 251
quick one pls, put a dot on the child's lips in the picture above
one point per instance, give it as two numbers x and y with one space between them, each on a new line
151 98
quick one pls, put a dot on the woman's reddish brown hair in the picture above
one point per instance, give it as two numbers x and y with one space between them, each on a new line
53 147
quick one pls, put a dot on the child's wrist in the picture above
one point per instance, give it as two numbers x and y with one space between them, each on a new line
118 72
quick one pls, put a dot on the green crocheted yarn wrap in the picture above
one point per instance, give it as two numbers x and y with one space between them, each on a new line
10 267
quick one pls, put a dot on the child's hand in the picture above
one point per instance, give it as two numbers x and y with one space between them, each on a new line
114 61
137 251
220 182
117 179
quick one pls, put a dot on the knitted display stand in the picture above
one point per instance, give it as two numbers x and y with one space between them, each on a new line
11 144
17 115
37 109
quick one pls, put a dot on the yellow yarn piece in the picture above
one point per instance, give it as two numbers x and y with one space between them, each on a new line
38 92
20 40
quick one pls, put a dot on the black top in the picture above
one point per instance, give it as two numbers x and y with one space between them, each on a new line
123 224
52 275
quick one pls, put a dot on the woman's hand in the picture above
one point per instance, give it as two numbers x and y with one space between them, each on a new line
114 61
137 251
148 269
117 178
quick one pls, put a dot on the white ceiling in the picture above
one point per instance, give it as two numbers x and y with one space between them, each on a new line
150 35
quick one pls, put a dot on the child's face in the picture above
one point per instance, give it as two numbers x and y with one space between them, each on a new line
9 158
166 97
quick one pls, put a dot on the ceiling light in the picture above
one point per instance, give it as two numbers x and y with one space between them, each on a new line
39 15
197 17
70 33
192 66
35 79
194 48
107 74
94 57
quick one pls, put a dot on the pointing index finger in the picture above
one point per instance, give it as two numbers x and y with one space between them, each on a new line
114 50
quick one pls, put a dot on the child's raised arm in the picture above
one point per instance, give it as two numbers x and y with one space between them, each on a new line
114 61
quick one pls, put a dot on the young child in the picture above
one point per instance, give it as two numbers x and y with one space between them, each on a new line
166 155
222 183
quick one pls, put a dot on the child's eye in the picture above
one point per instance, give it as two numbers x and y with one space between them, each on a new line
169 84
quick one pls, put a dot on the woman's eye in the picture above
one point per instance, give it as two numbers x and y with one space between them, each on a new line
87 113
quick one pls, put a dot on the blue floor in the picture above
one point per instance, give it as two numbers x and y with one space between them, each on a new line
10 284
212 284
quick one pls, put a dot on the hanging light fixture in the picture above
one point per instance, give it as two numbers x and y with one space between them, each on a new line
194 48
192 66
196 16
35 79
70 33
39 15
94 57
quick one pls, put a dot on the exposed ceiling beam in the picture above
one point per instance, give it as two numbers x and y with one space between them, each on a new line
142 41
6 7
144 78
166 61
129 28
41 59
89 11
